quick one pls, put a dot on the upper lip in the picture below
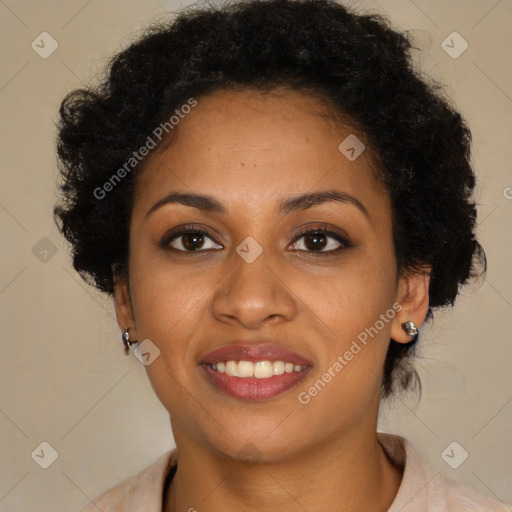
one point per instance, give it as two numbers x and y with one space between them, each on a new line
254 352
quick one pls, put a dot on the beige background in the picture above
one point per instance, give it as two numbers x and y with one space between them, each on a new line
65 379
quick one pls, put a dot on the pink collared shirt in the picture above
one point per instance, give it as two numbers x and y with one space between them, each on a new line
423 488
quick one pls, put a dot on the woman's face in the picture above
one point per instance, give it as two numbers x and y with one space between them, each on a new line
254 282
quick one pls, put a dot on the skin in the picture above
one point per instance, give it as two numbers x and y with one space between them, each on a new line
250 151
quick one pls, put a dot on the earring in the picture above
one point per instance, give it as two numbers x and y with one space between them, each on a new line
126 340
411 329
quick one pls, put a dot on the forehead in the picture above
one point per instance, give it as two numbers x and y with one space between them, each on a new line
254 148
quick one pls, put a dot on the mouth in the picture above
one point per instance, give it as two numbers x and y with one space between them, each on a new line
256 372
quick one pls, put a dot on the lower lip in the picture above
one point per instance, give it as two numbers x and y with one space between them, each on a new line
252 388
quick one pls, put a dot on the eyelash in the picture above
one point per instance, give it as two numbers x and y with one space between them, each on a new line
345 243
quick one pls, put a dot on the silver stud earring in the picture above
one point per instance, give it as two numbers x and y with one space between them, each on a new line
410 329
126 340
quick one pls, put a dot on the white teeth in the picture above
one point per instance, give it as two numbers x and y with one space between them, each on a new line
263 369
258 369
245 369
278 367
231 368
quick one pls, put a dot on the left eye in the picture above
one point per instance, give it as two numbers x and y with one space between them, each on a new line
318 239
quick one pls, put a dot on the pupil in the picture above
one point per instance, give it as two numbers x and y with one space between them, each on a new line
189 239
314 238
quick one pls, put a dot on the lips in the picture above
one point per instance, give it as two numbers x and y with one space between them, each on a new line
252 388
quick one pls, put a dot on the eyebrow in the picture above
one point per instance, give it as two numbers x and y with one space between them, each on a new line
301 202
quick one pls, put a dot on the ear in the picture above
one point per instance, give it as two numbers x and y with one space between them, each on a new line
413 297
123 305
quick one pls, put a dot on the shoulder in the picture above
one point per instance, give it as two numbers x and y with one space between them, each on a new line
425 489
144 489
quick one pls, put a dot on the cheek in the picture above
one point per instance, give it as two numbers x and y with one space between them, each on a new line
353 297
357 306
348 377
160 298
166 302
170 307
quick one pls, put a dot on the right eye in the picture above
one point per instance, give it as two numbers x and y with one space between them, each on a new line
188 240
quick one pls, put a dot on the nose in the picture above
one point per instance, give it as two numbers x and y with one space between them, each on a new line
253 294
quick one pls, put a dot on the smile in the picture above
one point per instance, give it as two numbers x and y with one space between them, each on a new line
258 369
254 381
254 371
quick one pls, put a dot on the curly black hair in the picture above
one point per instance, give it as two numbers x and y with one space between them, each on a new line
357 63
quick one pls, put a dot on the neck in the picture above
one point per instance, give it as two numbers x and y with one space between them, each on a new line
349 474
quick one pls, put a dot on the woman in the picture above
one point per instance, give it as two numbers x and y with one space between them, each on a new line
277 203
